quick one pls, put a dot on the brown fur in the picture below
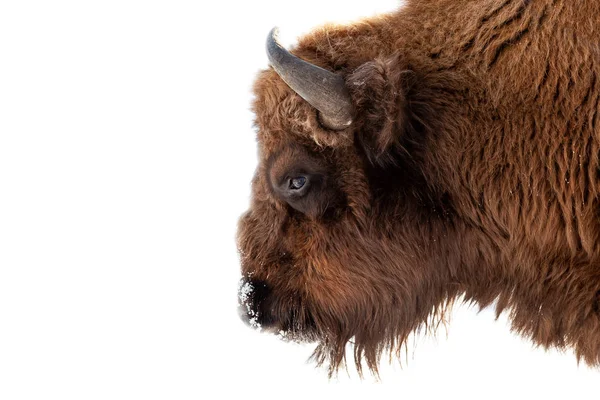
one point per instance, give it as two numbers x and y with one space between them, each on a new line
472 169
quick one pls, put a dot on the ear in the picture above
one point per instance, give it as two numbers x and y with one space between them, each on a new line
378 90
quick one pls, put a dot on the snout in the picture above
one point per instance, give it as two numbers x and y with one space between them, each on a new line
254 304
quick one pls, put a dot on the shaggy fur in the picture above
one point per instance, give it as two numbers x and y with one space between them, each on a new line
472 168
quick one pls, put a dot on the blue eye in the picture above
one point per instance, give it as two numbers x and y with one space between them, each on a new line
297 182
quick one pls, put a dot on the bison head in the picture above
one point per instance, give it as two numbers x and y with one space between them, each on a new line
337 244
399 170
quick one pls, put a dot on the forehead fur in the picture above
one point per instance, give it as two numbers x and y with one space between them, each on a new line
283 116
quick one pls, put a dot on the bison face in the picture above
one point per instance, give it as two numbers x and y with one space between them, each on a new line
306 198
297 194
340 226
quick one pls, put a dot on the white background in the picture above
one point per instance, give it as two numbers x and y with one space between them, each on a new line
126 153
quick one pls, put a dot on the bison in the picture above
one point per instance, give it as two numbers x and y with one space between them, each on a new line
448 150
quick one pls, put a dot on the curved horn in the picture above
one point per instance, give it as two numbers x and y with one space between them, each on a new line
324 90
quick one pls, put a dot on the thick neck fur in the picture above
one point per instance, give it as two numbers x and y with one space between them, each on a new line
517 154
483 79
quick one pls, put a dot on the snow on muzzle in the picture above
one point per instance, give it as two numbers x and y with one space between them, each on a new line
254 309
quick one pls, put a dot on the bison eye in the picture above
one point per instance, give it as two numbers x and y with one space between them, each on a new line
297 183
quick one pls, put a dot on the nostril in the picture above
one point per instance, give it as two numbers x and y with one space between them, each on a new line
261 291
252 296
253 291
